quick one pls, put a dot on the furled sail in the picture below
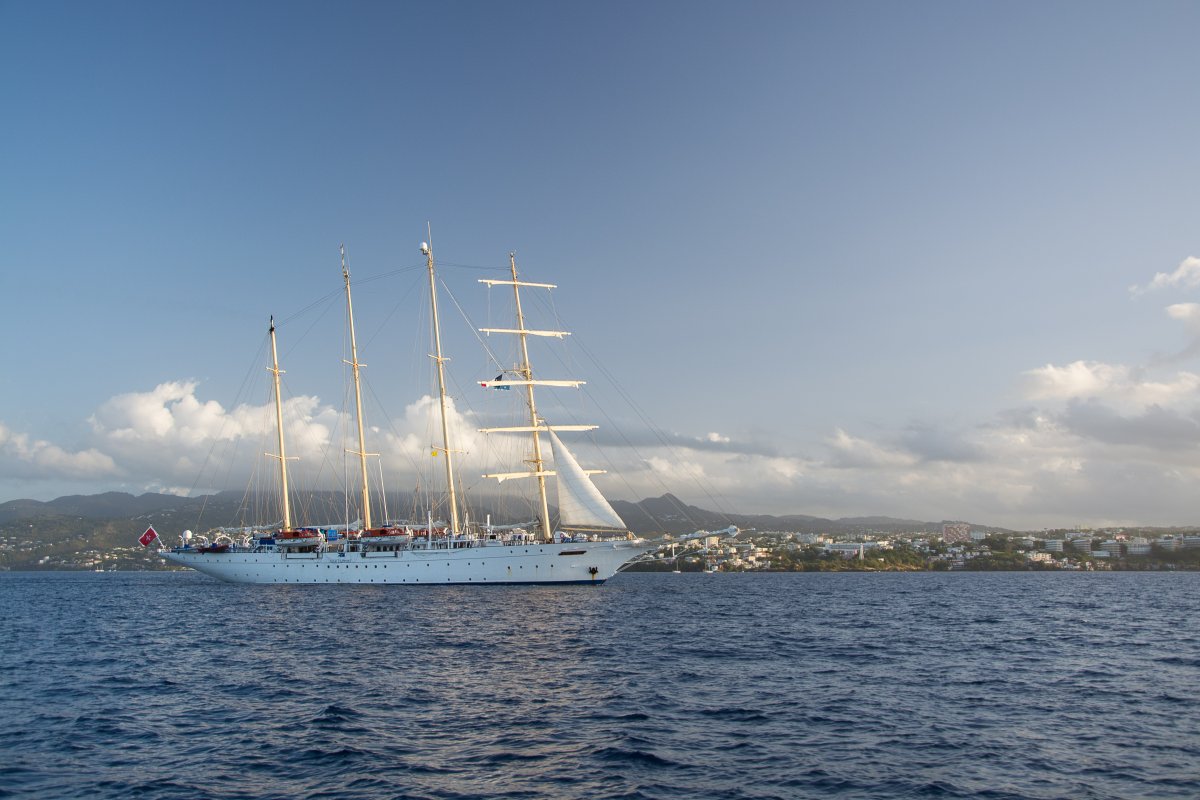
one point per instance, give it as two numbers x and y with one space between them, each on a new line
580 504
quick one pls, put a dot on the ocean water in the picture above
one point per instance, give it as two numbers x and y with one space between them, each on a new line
989 685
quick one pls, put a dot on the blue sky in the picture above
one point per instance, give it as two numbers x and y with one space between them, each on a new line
853 258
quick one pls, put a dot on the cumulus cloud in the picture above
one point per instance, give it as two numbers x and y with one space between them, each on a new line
1093 442
24 457
1188 312
171 439
1186 275
1077 379
1118 384
167 436
169 412
1030 467
409 443
1100 443
1189 315
734 482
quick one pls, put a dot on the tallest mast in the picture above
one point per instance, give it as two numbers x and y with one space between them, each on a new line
353 362
283 476
437 357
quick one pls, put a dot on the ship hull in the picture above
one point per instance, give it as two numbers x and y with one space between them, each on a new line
585 562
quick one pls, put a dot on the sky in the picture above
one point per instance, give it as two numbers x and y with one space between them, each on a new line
927 260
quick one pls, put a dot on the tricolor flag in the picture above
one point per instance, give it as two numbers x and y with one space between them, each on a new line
499 377
149 536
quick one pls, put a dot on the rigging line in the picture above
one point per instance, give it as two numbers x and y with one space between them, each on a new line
658 434
391 425
255 479
313 479
344 433
383 324
233 447
621 473
382 491
471 266
317 302
293 345
336 292
672 450
471 325
547 304
391 274
345 482
250 370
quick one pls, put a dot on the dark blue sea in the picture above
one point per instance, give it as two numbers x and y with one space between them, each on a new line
988 685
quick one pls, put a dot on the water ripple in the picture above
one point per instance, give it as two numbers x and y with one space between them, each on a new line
982 685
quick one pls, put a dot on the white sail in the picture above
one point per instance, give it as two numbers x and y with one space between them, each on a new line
580 504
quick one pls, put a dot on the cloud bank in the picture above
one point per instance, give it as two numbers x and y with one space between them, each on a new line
1087 442
1096 442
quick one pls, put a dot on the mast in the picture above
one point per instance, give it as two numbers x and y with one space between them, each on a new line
527 374
353 362
283 479
526 379
437 357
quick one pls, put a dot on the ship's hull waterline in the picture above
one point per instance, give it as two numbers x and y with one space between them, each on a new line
574 562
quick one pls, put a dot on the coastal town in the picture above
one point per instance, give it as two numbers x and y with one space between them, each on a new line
955 546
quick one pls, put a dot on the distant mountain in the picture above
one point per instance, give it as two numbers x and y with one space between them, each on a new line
23 509
879 522
109 505
656 514
669 513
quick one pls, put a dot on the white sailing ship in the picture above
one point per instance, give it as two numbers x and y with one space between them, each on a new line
589 544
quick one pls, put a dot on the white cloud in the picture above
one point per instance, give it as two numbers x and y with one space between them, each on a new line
408 446
733 482
1077 379
25 457
169 437
1119 385
1188 312
1098 442
1186 275
170 411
